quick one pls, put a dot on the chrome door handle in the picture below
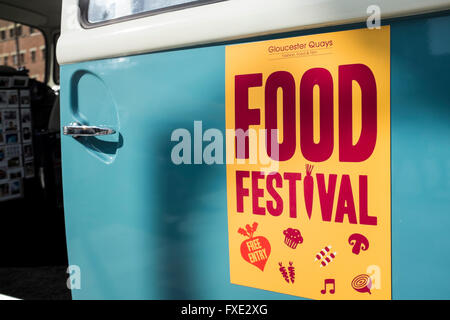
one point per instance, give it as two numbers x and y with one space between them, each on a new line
75 129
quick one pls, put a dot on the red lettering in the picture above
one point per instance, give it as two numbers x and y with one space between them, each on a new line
364 217
312 151
292 177
345 204
326 193
285 81
368 137
257 193
241 192
274 211
326 197
244 117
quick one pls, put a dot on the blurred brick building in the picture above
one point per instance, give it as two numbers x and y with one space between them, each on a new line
31 45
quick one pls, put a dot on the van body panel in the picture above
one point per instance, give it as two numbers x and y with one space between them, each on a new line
141 227
217 22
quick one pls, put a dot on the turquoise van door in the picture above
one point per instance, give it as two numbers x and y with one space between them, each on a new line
142 227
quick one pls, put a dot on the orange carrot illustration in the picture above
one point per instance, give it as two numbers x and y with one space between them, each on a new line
284 272
308 189
291 270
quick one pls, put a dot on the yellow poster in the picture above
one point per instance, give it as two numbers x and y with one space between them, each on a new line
308 164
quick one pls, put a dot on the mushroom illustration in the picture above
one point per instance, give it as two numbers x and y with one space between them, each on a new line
358 241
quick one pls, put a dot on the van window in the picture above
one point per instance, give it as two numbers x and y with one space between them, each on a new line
105 10
18 47
55 61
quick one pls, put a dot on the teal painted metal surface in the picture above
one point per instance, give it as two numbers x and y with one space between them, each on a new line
420 142
140 227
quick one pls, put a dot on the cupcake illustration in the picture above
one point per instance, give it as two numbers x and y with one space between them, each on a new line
292 237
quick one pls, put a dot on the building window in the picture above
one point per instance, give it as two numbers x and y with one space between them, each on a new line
26 52
18 31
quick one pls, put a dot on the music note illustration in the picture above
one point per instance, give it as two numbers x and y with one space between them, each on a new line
328 282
